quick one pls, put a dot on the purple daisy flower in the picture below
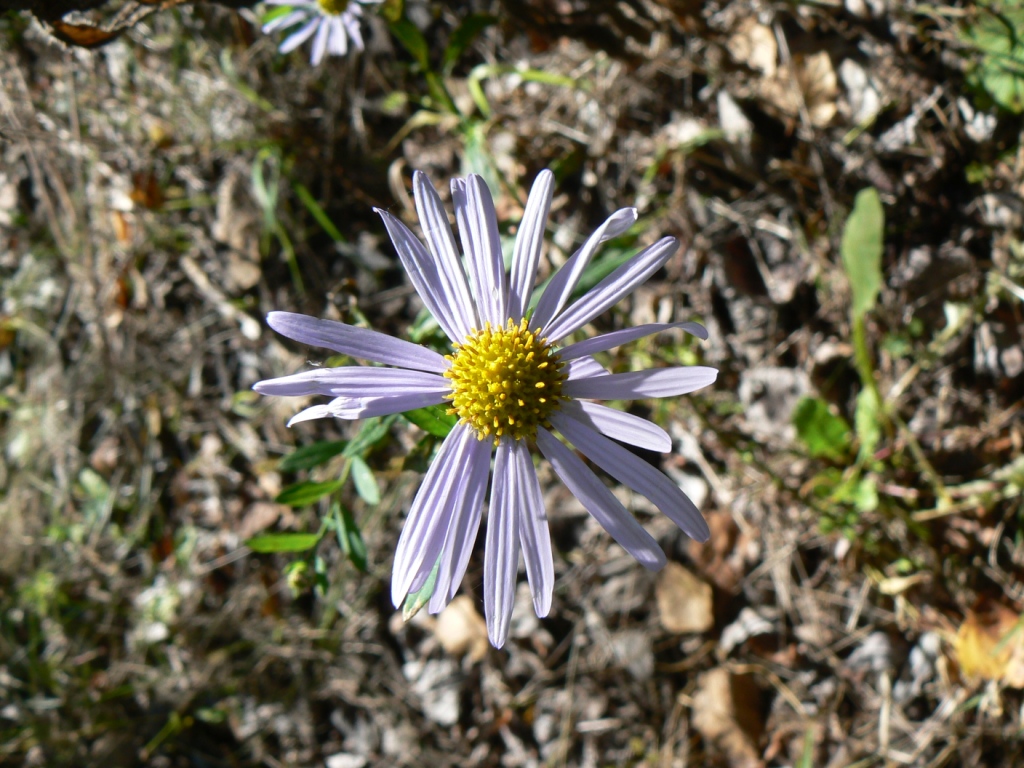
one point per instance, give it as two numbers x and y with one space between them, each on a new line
511 384
329 22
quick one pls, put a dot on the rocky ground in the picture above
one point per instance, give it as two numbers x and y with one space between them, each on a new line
860 459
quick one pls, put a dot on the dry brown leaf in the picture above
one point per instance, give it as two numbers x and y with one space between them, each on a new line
460 629
990 644
810 78
725 712
684 601
258 517
754 44
82 35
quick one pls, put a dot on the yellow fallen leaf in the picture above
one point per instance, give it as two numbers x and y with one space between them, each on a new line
684 601
461 630
990 644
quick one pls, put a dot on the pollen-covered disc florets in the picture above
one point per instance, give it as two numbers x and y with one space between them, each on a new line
505 381
333 7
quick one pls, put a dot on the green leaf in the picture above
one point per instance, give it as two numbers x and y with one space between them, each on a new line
861 250
365 482
997 34
412 40
823 433
317 212
416 600
373 431
463 37
275 12
305 493
433 419
313 455
418 459
283 542
865 495
867 421
350 539
392 10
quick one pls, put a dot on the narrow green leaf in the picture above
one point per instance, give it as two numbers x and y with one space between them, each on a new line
412 40
867 421
416 600
861 250
317 212
313 455
463 37
418 459
433 419
823 433
372 432
365 482
305 493
283 542
350 539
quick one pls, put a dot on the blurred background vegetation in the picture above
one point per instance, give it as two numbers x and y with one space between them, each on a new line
186 582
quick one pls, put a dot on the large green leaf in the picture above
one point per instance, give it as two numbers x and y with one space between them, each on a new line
861 250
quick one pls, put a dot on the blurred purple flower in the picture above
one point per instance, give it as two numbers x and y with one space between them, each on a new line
329 22
510 384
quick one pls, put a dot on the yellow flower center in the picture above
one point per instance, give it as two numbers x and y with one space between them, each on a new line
332 7
505 381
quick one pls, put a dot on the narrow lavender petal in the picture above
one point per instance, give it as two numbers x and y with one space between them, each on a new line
434 222
320 42
438 598
288 20
337 43
501 553
607 341
481 472
365 407
632 471
601 502
429 517
298 38
482 246
659 382
352 23
322 411
533 531
356 342
619 426
423 273
529 243
461 536
354 381
620 283
564 281
585 368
